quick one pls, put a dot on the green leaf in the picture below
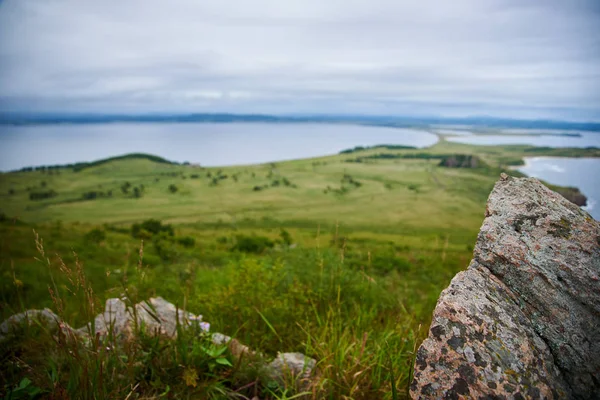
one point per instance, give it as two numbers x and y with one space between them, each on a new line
216 351
268 324
166 392
223 361
24 383
34 391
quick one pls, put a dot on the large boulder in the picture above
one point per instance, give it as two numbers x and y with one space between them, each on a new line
523 321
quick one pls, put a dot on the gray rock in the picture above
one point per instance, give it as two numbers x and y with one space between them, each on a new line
293 368
162 317
156 315
115 317
523 321
45 318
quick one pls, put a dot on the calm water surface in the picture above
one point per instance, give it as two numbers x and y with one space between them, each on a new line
587 139
204 143
583 173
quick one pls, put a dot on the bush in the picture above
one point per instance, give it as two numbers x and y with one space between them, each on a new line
286 238
125 187
186 241
92 195
348 179
152 226
42 195
173 188
163 244
252 244
96 235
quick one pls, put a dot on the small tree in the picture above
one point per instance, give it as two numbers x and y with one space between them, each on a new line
286 238
125 187
173 188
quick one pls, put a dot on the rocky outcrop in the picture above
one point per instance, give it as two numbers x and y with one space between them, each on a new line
523 321
159 317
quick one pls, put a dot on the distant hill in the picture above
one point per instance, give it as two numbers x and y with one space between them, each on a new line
83 165
398 121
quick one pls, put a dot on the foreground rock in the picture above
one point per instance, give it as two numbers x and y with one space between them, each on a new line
159 317
45 319
156 315
294 368
523 321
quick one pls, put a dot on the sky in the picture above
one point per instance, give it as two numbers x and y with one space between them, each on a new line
502 58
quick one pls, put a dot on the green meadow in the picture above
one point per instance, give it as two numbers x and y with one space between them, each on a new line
340 257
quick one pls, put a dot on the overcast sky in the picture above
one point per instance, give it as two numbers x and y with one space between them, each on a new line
512 58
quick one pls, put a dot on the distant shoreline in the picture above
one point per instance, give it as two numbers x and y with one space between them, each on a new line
391 121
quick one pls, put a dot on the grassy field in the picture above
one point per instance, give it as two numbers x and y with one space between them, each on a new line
340 257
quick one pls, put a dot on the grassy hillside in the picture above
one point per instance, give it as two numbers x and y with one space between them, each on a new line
339 257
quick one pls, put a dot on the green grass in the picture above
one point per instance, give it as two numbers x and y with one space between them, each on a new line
352 282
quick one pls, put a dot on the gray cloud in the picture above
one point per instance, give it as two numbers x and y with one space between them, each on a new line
520 58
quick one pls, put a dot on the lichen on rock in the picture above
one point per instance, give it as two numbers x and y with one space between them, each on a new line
523 321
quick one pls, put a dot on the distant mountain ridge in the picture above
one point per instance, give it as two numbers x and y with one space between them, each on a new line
400 121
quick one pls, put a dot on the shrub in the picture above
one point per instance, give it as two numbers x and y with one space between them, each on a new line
96 235
186 241
286 238
173 188
152 226
163 244
42 195
348 179
92 195
252 244
125 187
